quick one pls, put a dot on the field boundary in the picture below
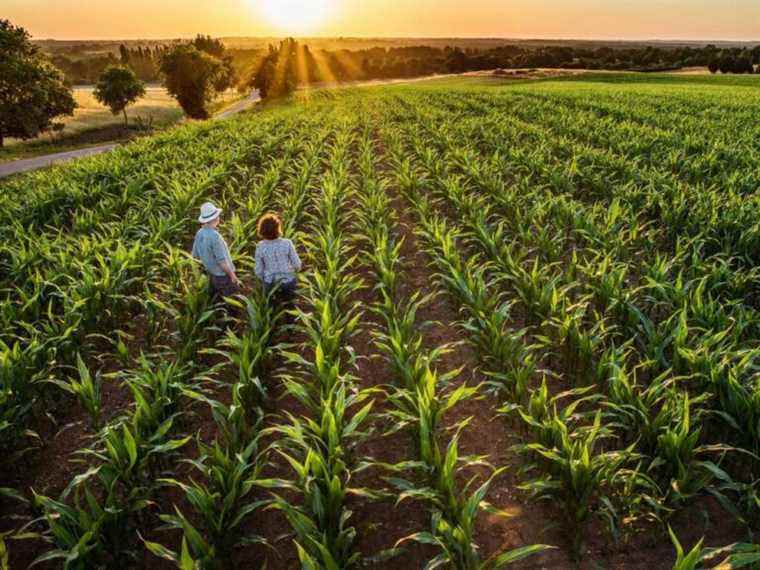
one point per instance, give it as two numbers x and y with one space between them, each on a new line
38 162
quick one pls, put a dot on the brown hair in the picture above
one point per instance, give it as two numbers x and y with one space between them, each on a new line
270 226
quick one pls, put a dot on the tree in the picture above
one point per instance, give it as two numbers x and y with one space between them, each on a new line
193 78
117 88
216 48
726 63
278 74
210 45
227 77
32 91
456 62
142 60
743 64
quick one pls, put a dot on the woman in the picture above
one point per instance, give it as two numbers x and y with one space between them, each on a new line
276 259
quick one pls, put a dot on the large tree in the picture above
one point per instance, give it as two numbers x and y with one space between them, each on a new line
277 75
194 77
217 49
726 63
32 91
117 88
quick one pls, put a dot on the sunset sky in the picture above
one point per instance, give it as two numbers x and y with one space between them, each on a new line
625 19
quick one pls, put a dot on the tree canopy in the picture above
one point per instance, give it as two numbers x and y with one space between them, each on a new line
277 75
117 88
32 91
211 46
194 77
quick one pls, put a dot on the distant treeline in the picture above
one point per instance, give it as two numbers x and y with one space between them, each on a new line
413 61
145 61
383 63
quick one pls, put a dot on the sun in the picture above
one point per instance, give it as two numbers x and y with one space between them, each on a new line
295 15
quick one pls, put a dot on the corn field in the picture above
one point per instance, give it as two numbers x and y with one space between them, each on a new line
526 334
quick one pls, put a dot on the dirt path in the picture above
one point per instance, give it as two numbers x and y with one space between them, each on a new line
240 106
29 164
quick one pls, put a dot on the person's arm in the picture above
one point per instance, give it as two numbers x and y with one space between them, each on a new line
230 272
259 268
196 254
221 255
294 259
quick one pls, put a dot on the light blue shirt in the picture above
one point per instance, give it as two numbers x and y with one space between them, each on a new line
210 248
276 261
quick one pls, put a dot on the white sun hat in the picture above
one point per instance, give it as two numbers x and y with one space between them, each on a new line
209 213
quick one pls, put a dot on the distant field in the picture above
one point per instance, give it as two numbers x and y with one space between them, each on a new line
529 313
157 104
92 123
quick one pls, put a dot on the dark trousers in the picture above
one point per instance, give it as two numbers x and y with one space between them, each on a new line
222 286
284 292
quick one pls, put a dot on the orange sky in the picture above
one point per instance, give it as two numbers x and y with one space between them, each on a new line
626 19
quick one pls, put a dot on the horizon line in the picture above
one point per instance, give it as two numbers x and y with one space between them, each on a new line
404 37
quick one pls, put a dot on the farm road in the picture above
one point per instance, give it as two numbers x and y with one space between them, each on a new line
241 105
27 164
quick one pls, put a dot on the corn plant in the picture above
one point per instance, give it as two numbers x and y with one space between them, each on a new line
193 311
87 390
323 477
739 555
453 521
639 413
739 498
222 500
251 351
679 456
195 553
237 424
575 473
98 291
546 418
87 534
21 374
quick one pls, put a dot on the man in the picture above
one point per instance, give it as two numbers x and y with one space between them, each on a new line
211 249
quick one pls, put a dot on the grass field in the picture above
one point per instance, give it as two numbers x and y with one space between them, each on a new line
157 104
528 316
